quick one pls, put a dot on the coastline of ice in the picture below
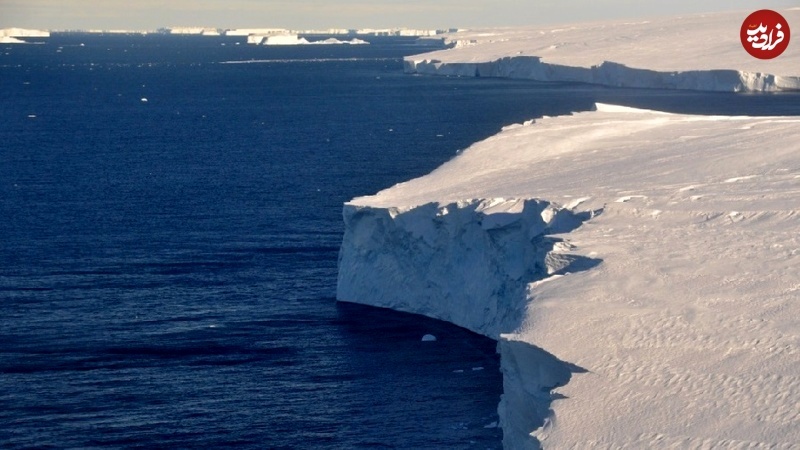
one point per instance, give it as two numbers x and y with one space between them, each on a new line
637 268
697 52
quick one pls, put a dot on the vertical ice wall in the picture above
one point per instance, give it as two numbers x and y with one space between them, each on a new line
607 74
469 263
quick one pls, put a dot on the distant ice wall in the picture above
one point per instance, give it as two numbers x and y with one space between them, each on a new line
285 39
23 32
200 31
607 74
294 39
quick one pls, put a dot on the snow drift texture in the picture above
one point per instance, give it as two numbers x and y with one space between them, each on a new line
639 269
692 52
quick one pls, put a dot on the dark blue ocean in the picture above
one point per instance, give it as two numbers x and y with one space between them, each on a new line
168 266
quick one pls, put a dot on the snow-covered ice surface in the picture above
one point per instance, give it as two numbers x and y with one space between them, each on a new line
638 268
688 52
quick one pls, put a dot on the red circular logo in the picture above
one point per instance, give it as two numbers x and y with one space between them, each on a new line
765 34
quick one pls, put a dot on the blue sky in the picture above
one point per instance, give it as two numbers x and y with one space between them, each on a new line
151 14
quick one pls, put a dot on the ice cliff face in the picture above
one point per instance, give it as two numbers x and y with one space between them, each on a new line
469 263
10 35
693 313
697 52
687 330
607 74
530 375
23 32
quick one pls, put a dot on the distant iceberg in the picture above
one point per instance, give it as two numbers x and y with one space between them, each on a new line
198 31
23 32
294 39
337 41
11 40
285 39
254 31
10 35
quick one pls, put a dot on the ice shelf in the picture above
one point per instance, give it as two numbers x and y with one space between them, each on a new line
638 268
698 52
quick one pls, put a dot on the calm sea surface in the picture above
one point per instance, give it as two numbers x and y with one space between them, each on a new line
170 219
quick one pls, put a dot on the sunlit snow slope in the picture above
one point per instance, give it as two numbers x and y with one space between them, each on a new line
640 270
700 52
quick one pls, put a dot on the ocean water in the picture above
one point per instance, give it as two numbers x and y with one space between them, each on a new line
170 219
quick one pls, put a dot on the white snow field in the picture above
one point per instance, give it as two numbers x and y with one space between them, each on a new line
640 270
689 52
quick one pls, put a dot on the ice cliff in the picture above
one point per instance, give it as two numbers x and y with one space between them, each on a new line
294 39
10 35
608 73
699 52
23 32
468 262
638 269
